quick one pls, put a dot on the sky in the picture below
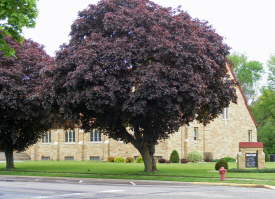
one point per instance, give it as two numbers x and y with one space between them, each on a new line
246 25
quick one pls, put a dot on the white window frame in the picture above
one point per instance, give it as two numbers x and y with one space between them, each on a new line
250 136
226 115
69 136
196 134
95 136
46 138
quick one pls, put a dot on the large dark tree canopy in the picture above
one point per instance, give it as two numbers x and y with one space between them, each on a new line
22 117
134 65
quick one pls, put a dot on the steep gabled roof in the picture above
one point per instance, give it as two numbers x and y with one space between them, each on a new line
230 69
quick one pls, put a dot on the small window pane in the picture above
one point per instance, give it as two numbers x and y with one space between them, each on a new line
92 136
66 136
94 158
249 136
96 134
195 133
99 135
225 114
69 158
70 136
47 137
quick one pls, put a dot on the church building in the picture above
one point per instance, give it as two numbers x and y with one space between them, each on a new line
221 137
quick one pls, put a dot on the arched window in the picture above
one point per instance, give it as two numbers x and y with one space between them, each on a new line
95 136
196 134
70 136
46 138
225 114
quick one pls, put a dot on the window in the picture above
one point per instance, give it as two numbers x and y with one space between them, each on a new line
94 158
225 115
46 158
70 136
196 134
46 138
69 158
95 136
249 136
158 157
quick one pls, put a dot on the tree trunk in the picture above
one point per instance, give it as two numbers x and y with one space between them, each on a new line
9 158
147 154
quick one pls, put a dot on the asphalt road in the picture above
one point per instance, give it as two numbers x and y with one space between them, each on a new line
39 188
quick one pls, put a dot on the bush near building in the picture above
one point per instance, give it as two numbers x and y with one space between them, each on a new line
111 159
129 160
174 157
194 156
119 159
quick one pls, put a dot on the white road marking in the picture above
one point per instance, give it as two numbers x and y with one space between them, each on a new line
64 195
111 191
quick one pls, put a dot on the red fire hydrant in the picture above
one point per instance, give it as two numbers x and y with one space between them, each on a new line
222 172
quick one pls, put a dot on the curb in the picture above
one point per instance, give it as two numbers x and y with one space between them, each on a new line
235 185
122 181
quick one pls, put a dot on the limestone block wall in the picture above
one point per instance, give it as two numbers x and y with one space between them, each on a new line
222 137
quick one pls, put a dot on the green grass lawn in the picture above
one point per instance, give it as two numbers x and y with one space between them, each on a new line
191 172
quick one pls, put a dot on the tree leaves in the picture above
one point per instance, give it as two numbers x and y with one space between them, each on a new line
263 111
23 118
132 64
14 16
247 73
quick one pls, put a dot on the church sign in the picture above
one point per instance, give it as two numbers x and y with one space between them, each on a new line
251 155
251 159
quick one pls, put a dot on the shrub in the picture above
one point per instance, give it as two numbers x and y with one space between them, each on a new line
272 170
266 155
221 163
194 156
215 160
129 160
139 160
183 161
111 159
229 159
168 161
161 160
174 157
119 159
208 156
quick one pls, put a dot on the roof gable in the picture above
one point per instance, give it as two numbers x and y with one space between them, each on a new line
231 71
